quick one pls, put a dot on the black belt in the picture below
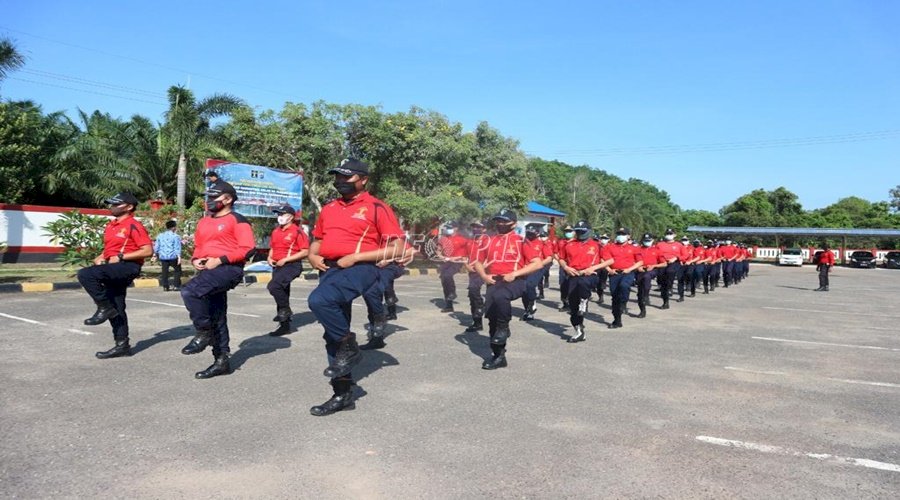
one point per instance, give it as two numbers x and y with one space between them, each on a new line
334 263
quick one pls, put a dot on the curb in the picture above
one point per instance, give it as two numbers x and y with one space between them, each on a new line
153 283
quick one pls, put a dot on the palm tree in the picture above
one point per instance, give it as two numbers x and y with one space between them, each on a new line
187 130
10 58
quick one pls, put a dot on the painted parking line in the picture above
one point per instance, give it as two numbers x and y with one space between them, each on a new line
80 332
24 320
779 450
829 312
830 344
181 306
833 379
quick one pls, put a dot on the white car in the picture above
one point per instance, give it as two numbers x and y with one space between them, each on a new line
790 257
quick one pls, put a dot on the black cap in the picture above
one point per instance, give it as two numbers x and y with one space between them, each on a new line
284 209
121 198
212 173
351 166
647 237
506 215
544 234
220 188
604 236
533 227
623 230
451 223
476 223
685 238
582 226
567 227
670 231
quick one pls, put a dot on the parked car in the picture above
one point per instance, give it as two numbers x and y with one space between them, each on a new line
862 258
790 257
892 260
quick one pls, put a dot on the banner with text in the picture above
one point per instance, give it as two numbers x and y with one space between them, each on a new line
260 189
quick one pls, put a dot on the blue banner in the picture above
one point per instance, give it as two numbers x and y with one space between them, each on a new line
260 189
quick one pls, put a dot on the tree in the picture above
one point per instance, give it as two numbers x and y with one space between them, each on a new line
895 199
187 131
10 58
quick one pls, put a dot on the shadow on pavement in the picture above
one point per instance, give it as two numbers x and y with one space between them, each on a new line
257 346
372 361
479 345
177 333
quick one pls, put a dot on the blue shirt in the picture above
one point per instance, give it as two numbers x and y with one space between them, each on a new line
167 246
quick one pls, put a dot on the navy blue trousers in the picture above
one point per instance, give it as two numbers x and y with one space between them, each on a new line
332 299
498 302
580 287
645 283
668 275
109 283
447 271
206 299
531 283
728 272
563 285
620 289
476 301
280 286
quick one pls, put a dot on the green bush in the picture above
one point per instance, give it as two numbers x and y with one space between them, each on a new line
81 236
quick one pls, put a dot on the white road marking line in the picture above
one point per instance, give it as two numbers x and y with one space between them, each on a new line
829 312
865 382
181 306
26 320
778 450
81 332
854 346
732 368
844 380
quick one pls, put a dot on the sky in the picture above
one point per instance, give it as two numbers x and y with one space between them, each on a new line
707 100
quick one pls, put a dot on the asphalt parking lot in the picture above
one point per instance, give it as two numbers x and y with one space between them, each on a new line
764 390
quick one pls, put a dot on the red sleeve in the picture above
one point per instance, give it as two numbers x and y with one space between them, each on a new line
302 239
530 252
140 236
606 253
388 227
317 228
246 243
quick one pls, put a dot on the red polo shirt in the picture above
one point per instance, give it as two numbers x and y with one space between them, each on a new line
229 237
624 256
535 248
581 255
669 249
649 255
560 245
477 247
453 246
506 254
827 258
728 251
362 224
287 242
549 250
124 236
687 253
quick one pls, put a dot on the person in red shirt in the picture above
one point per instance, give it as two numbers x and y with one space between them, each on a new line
728 253
671 251
622 260
382 297
536 247
699 266
823 266
125 246
568 234
288 247
476 248
686 273
651 259
452 250
548 252
602 274
715 271
580 259
352 234
223 241
503 268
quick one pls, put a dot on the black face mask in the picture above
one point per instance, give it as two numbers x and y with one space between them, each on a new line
345 187
531 236
504 229
582 235
215 206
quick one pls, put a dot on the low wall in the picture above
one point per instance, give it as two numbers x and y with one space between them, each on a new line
21 229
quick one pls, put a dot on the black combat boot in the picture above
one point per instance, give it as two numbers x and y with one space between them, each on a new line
579 335
476 326
348 356
341 400
448 305
284 314
198 343
122 348
391 312
376 334
498 360
284 328
105 311
643 313
617 321
220 366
